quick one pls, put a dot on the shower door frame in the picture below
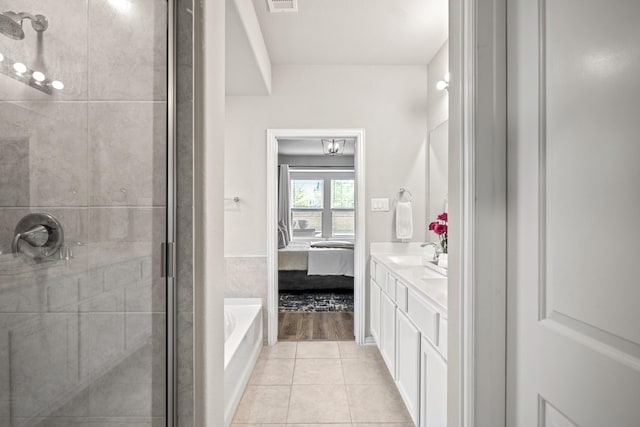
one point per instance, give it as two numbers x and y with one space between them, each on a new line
168 248
166 252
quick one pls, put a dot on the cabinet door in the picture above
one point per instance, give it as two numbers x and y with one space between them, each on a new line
408 363
433 387
374 311
391 287
388 332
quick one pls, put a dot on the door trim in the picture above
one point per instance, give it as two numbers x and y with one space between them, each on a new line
478 170
272 219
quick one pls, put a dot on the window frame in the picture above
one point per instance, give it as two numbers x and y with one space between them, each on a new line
327 211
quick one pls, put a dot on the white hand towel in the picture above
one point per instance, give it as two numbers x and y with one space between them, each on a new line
404 220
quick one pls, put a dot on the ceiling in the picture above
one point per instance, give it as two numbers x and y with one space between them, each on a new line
355 32
310 147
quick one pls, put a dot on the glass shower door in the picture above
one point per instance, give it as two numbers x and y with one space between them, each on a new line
83 208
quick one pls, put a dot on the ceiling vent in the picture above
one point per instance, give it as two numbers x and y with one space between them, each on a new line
282 6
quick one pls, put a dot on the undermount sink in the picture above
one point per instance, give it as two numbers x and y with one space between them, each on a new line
434 272
431 270
406 260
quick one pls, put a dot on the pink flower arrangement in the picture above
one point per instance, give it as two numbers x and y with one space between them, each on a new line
439 226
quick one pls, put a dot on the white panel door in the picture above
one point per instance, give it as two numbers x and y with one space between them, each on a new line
574 213
408 363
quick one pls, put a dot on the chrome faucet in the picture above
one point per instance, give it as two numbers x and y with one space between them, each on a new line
437 250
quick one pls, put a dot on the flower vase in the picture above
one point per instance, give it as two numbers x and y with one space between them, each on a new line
444 249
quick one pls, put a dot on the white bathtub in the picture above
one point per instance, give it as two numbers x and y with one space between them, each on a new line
242 345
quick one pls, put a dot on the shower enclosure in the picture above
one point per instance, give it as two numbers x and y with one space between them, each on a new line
87 203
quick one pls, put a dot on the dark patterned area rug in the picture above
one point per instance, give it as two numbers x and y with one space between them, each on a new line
317 301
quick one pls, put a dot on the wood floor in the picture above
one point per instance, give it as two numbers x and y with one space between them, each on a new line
322 326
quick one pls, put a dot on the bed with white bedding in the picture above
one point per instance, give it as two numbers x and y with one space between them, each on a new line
316 265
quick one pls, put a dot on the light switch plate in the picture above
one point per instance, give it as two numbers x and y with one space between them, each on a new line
380 205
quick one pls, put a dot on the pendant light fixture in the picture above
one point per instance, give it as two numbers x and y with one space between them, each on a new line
333 147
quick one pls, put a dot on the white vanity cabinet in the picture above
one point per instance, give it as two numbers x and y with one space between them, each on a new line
410 332
433 386
387 344
408 363
374 309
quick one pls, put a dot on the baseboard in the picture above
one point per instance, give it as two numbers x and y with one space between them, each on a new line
369 341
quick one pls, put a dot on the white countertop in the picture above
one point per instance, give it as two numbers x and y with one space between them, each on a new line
424 281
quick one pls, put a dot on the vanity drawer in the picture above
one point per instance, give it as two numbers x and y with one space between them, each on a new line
424 315
401 295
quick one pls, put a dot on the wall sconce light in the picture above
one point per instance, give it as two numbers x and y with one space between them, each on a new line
333 147
444 84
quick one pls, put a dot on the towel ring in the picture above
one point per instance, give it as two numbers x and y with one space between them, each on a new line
403 191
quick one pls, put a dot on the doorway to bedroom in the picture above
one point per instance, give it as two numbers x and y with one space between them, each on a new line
316 234
314 277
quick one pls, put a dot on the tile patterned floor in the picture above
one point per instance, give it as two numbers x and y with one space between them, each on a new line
321 383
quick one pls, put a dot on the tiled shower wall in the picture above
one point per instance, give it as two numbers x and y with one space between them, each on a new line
82 341
246 277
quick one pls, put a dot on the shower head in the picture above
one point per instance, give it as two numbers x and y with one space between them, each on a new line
11 24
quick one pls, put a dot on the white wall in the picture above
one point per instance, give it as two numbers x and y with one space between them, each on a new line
209 122
389 102
454 277
247 63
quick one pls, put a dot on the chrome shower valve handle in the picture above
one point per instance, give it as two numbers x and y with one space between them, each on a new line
42 233
36 236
